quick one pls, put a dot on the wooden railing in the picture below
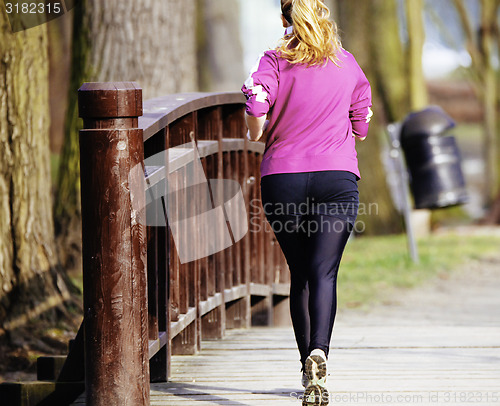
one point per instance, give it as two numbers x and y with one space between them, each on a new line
143 300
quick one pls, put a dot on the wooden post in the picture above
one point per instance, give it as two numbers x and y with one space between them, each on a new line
114 246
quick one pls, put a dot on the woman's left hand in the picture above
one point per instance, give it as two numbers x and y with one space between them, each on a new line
256 126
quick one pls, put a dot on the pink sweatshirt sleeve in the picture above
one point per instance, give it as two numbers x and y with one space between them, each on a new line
261 86
361 101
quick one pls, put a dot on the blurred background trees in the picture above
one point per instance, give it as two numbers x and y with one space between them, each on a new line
179 46
482 44
31 279
386 69
220 51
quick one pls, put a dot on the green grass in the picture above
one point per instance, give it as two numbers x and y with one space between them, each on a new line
373 267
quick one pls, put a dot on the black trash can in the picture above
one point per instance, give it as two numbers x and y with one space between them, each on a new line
433 159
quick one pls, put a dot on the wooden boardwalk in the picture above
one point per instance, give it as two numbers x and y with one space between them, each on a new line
434 346
369 365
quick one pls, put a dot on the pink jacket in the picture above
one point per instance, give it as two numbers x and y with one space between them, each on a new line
314 113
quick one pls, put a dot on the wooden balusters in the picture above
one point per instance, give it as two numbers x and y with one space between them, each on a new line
158 263
188 340
212 309
185 297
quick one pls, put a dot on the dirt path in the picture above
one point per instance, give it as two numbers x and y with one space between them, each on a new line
468 296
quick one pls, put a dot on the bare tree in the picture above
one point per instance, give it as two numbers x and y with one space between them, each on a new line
31 282
481 45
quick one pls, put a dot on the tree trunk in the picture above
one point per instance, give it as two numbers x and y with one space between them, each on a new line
480 46
364 40
150 42
30 280
387 58
59 34
220 53
487 36
416 38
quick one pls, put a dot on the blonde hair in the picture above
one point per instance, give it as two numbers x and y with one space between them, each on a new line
314 39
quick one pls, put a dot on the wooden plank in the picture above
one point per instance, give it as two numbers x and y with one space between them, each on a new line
228 253
181 133
236 292
255 208
185 330
256 147
220 276
245 243
173 138
184 320
159 363
261 241
233 127
184 342
259 289
233 144
174 281
210 304
211 260
155 217
152 265
211 323
271 260
163 111
219 197
165 281
234 121
36 393
183 241
156 345
191 239
180 157
284 270
235 165
205 201
281 289
211 308
281 311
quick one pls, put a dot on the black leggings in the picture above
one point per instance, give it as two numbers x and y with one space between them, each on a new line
312 215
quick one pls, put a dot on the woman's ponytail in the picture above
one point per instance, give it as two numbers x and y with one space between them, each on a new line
314 39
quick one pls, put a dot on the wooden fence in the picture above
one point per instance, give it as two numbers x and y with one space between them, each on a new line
145 299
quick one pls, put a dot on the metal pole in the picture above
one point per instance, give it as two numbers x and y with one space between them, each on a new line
397 156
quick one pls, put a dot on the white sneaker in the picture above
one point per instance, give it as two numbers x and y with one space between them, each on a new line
315 395
315 370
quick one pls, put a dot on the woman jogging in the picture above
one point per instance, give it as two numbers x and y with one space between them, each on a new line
314 101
